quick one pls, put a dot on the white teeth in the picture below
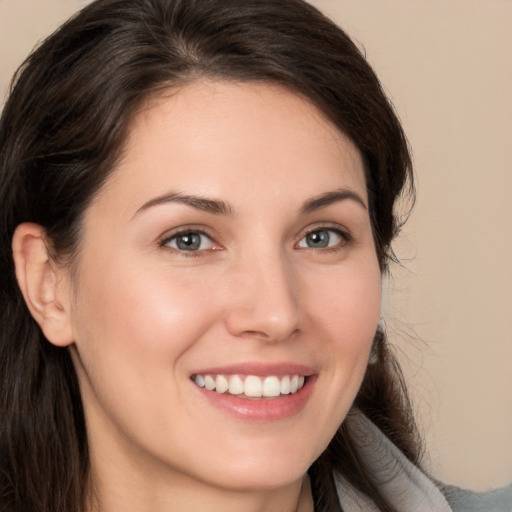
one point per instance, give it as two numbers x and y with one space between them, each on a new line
209 383
285 385
294 384
221 384
236 385
271 386
252 386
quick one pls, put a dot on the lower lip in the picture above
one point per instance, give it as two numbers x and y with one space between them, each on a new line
263 409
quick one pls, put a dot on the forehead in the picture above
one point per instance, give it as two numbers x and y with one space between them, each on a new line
209 135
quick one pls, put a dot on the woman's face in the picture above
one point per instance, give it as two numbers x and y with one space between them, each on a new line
230 248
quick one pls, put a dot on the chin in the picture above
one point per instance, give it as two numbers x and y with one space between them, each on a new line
262 469
263 478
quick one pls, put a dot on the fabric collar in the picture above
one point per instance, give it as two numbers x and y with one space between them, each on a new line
400 481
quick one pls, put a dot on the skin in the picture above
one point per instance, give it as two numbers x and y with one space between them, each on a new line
143 315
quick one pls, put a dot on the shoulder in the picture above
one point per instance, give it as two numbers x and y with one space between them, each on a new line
405 485
464 500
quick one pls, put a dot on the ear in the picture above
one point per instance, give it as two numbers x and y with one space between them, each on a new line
43 284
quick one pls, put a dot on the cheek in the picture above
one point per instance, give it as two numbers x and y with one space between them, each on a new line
144 307
348 302
346 315
133 327
357 315
133 333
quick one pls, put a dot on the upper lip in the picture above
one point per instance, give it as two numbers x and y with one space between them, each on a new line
259 369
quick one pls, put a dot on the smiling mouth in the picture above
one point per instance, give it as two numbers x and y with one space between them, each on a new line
251 386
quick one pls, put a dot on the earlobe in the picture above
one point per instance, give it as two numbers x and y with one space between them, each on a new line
43 285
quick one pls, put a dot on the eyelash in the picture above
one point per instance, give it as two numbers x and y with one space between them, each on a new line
343 234
187 231
164 243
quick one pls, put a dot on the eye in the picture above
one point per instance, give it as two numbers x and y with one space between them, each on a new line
323 238
189 241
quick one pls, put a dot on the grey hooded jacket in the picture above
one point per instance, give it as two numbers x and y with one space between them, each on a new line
406 486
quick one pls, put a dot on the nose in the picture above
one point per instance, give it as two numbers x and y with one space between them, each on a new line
264 300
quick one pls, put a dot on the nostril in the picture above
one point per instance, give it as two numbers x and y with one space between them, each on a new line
262 323
271 336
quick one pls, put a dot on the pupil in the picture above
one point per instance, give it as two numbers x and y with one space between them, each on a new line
189 242
318 239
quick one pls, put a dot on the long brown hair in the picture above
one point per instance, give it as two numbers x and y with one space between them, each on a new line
61 132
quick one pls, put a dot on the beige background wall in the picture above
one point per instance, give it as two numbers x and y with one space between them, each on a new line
447 65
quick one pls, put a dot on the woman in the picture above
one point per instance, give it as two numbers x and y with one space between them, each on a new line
199 201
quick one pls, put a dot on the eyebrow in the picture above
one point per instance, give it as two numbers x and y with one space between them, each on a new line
328 198
218 207
201 203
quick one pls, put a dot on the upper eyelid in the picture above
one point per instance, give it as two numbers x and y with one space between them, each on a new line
327 226
169 235
343 233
